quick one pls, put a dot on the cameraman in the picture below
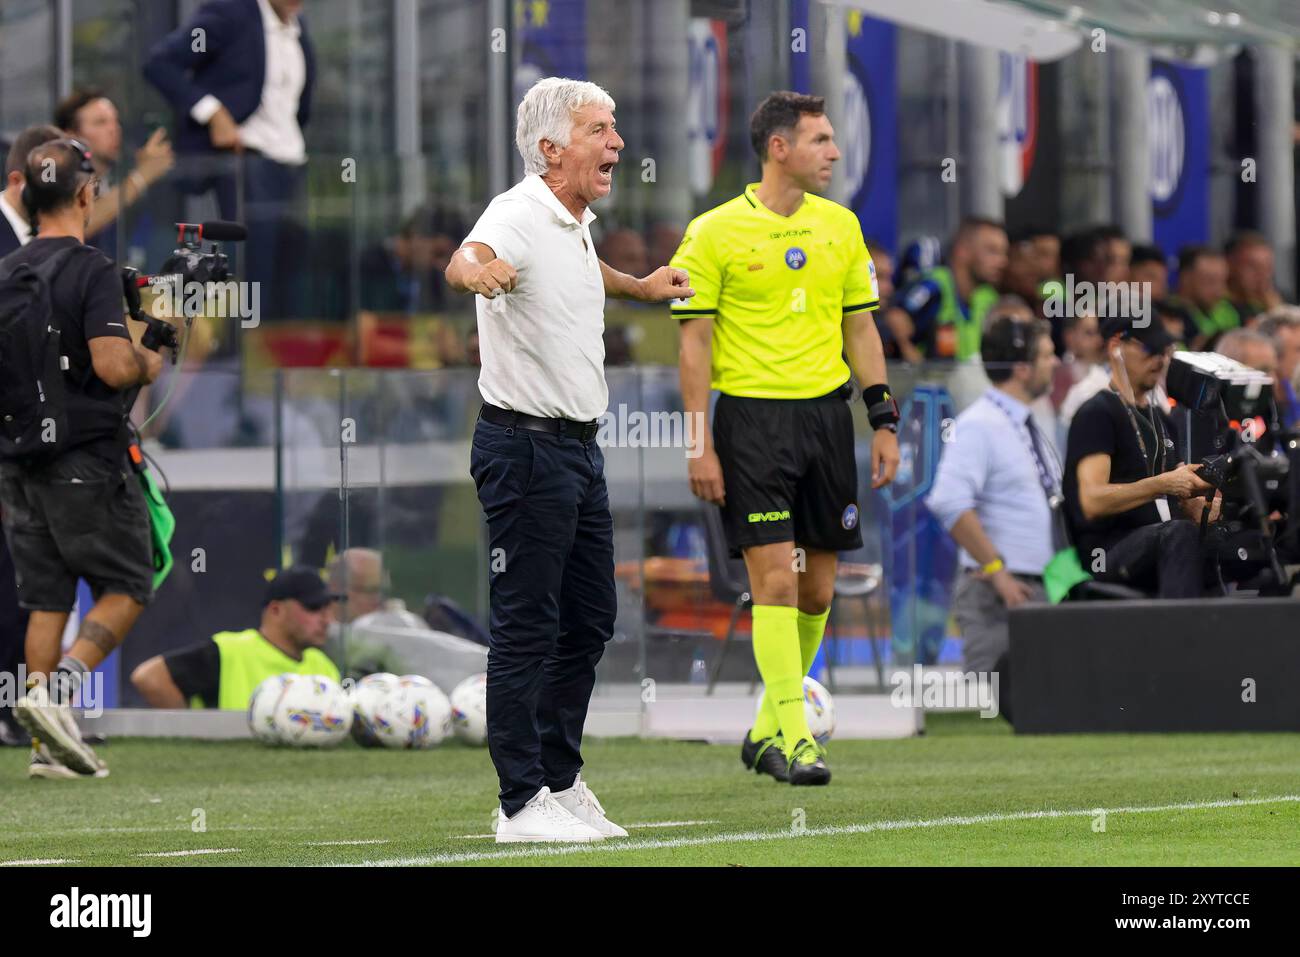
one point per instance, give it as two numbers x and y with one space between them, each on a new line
82 514
1131 506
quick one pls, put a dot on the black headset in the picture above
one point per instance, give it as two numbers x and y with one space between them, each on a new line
36 187
1007 346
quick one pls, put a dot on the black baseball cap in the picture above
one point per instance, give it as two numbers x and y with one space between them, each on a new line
301 583
1153 336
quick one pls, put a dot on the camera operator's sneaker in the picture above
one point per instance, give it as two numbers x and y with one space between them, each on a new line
45 765
766 756
808 764
543 819
579 801
54 725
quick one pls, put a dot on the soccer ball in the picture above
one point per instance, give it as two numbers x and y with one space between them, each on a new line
368 695
469 709
263 704
313 711
415 714
819 707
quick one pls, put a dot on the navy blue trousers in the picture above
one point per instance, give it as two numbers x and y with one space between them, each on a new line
551 561
273 207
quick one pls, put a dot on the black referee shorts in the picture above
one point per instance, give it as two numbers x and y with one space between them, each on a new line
789 472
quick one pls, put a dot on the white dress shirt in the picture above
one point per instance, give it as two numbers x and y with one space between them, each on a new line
20 227
273 128
988 466
541 344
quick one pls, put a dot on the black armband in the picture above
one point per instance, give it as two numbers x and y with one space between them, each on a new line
882 410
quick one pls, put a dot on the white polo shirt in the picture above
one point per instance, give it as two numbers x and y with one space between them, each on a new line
541 344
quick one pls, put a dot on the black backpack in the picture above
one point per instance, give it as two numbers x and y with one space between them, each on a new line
33 406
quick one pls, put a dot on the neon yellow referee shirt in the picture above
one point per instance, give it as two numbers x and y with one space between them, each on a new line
777 288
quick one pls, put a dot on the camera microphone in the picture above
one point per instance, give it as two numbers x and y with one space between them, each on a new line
214 230
221 231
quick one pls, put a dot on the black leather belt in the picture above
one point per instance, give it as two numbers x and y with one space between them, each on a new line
1022 575
585 431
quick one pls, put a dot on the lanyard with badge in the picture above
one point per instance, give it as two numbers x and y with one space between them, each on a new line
1154 464
1051 487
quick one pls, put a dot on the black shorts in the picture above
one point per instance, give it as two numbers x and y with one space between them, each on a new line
789 472
78 517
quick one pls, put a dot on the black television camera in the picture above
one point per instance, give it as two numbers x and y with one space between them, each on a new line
188 263
1231 426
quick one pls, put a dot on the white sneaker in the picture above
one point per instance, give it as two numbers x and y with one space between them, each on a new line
54 725
45 765
579 801
543 819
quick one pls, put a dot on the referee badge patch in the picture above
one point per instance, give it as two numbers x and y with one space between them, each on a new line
850 517
795 257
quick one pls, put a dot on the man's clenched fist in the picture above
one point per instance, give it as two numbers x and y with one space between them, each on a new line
498 276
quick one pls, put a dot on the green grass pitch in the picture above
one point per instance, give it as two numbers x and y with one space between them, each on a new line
967 793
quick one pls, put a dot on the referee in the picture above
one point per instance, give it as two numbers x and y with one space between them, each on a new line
784 289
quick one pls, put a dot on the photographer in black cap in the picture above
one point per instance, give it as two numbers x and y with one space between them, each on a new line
1132 507
72 509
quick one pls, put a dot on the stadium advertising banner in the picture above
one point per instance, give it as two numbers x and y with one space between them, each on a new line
1029 145
920 557
552 40
867 133
1178 121
706 102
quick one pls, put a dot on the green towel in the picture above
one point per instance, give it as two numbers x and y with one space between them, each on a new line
1062 573
162 525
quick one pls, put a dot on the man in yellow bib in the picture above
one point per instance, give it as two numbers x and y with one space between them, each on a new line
223 671
784 289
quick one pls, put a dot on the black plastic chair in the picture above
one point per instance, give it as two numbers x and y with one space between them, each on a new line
855 585
1094 590
729 582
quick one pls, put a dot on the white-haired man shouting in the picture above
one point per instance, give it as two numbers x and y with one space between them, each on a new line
539 472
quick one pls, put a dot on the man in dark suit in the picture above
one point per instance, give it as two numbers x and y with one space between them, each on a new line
14 230
14 233
240 76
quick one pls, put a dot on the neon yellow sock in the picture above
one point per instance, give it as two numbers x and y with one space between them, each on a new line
777 652
811 630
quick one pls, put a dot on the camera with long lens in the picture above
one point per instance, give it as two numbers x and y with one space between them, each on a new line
190 262
1231 426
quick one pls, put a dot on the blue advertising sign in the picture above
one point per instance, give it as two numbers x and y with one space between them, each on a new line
1178 122
552 41
867 132
920 557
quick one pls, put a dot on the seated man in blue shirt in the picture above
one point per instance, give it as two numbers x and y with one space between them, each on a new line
994 490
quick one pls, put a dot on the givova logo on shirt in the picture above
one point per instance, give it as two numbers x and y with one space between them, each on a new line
768 516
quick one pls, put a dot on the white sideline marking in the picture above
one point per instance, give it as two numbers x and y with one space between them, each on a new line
670 824
343 843
197 850
749 837
179 826
459 837
38 860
